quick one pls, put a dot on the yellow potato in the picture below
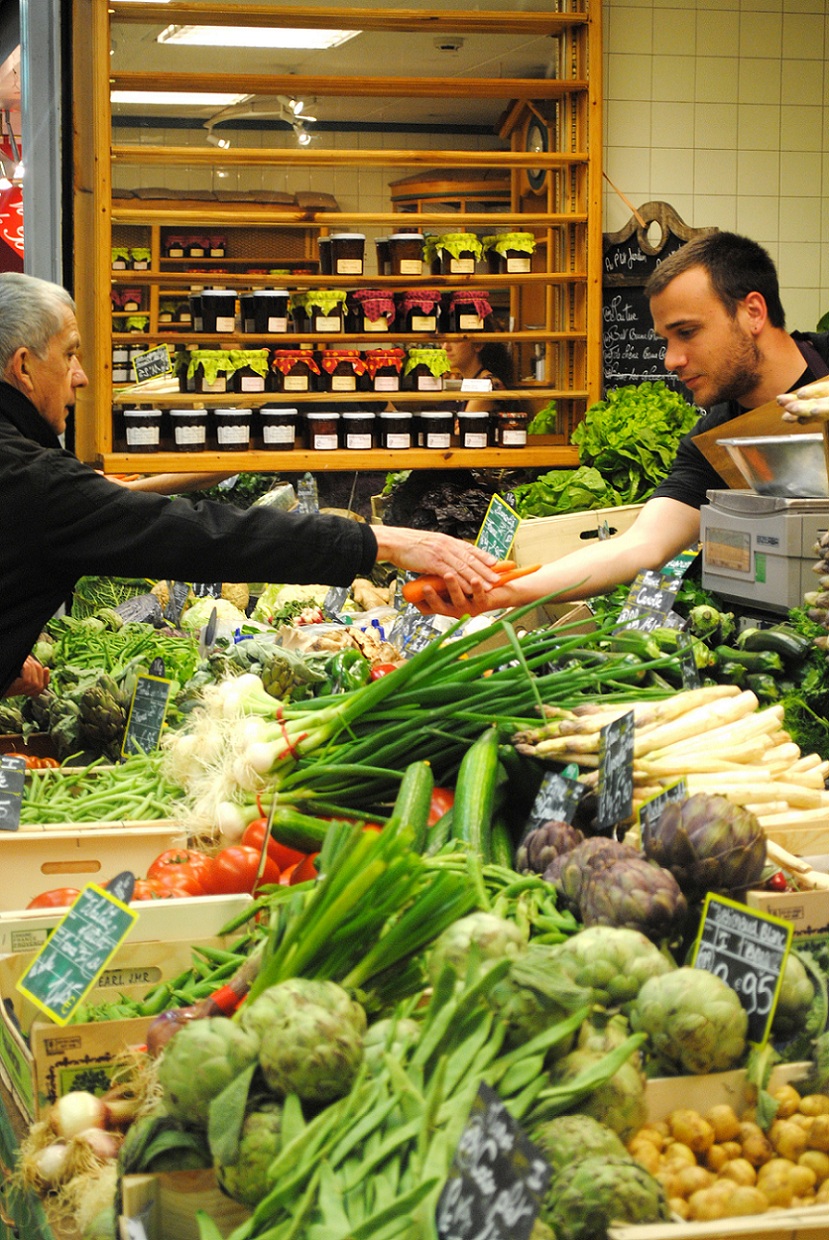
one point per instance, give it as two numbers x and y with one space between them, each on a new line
745 1200
803 1121
822 1195
646 1154
668 1179
756 1146
818 1161
814 1104
774 1181
733 1149
803 1179
710 1203
679 1206
724 1121
787 1099
740 1170
652 1134
715 1158
788 1139
818 1135
691 1179
691 1129
679 1154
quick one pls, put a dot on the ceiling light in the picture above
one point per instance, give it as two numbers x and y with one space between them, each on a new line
222 143
183 99
257 36
302 135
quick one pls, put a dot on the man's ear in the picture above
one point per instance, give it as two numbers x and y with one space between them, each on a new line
756 311
17 370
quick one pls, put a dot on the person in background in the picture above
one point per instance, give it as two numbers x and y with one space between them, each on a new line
474 359
61 519
716 303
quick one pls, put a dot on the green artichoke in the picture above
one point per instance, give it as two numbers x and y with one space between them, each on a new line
535 994
694 1021
611 961
312 1038
542 845
797 993
586 1197
708 844
203 1057
636 894
389 1036
492 937
569 872
620 1102
103 717
246 1180
570 1138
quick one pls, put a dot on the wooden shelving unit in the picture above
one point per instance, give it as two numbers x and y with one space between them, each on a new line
554 192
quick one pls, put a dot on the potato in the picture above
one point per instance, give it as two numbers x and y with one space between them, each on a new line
788 1139
690 1179
668 1179
715 1158
803 1121
822 1195
677 1154
803 1180
745 1200
724 1121
710 1203
646 1154
787 1099
818 1161
691 1129
740 1170
679 1206
774 1181
814 1104
818 1135
733 1149
756 1146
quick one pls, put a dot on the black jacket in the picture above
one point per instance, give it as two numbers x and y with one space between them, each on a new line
60 520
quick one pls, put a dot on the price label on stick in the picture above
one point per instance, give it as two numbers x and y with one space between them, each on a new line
76 954
650 599
207 589
179 594
12 783
615 772
146 717
651 810
747 949
497 1180
558 797
498 528
152 364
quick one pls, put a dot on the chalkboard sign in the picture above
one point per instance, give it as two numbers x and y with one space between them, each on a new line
615 799
498 528
748 950
687 662
497 1180
143 607
146 717
631 350
649 602
334 601
152 364
12 783
78 951
179 594
207 589
650 811
558 797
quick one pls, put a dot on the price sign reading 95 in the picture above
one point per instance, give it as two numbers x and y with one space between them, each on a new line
747 949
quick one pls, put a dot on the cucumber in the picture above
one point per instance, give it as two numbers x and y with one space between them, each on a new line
475 794
440 833
411 805
503 852
792 646
300 831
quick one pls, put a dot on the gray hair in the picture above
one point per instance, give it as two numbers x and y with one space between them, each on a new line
32 311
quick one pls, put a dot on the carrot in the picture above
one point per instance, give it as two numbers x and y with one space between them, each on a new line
507 569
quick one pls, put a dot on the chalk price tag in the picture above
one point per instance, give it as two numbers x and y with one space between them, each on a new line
335 600
558 797
615 800
179 594
747 949
146 717
12 783
497 1180
498 528
76 954
207 589
143 607
152 364
650 811
650 599
687 662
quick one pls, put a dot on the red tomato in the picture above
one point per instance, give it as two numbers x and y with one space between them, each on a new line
234 869
282 856
32 762
286 878
186 863
151 889
57 897
304 870
382 669
181 880
442 800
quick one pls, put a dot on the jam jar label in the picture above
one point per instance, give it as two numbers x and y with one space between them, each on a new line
424 322
326 323
428 383
276 323
462 266
470 323
296 383
519 265
344 383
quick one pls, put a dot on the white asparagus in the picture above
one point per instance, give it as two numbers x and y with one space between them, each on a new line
649 714
808 761
768 807
805 876
744 725
775 790
693 764
787 751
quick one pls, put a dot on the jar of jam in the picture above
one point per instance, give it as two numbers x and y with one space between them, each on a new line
511 428
342 370
279 426
143 427
467 309
189 429
294 370
372 309
347 254
424 369
196 247
252 371
395 429
323 430
509 253
131 299
218 307
120 364
358 429
383 367
233 429
419 309
172 245
435 428
210 370
324 247
381 245
139 257
406 254
120 257
217 245
458 253
474 428
318 310
265 310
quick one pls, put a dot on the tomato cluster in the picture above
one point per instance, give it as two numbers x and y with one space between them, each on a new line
33 762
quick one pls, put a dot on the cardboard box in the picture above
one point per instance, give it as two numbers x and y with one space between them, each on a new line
56 1059
700 1092
808 911
540 540
166 1204
553 615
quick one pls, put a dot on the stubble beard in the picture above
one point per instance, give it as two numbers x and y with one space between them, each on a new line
742 369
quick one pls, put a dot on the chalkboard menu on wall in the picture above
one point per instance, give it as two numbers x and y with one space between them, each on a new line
631 350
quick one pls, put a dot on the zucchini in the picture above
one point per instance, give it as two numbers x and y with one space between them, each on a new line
440 833
475 794
502 849
411 805
764 685
792 646
301 831
730 673
752 660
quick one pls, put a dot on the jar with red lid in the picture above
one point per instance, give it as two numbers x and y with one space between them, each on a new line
370 309
173 245
342 370
294 370
197 247
419 309
467 310
217 245
383 369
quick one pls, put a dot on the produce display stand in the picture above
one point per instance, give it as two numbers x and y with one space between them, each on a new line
22 1216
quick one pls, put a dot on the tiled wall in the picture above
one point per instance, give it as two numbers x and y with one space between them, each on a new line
721 108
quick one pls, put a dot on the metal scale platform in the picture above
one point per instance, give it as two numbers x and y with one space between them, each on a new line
759 549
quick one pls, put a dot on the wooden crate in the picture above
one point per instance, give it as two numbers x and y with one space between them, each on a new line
166 1204
540 540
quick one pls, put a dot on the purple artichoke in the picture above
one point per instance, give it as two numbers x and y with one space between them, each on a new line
570 870
708 844
542 845
636 895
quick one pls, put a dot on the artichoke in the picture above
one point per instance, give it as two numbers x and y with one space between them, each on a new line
636 894
389 1036
535 994
542 845
569 872
586 1197
694 1021
203 1057
246 1180
312 1038
611 961
103 717
797 993
708 844
491 937
570 1138
620 1101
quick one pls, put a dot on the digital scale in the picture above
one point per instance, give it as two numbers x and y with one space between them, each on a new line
759 549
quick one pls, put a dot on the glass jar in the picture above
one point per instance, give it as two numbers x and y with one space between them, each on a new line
233 429
279 427
211 370
341 370
467 310
323 430
196 247
218 307
143 428
424 369
217 245
458 253
294 370
435 428
395 429
324 247
406 254
511 428
372 309
251 370
382 368
358 429
318 310
172 246
474 428
381 245
189 429
419 309
509 253
347 254
265 310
